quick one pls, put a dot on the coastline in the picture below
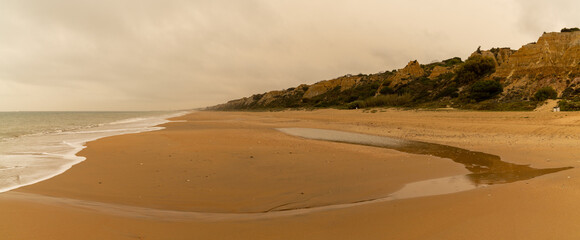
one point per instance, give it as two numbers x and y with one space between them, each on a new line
237 163
44 155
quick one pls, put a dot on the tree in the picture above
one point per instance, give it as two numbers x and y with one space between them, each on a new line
475 68
545 93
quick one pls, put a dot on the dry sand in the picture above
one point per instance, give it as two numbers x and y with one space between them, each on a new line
227 175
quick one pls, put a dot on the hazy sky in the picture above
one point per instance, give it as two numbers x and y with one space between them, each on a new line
144 54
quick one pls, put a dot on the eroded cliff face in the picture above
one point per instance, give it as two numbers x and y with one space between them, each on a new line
322 87
552 61
438 71
499 55
412 70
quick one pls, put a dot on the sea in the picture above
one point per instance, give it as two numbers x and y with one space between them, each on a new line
35 146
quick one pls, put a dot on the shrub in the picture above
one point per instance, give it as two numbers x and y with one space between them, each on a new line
445 76
570 93
449 91
475 68
386 90
494 105
570 29
363 91
545 93
566 105
257 97
486 89
452 61
391 100
357 104
445 63
420 88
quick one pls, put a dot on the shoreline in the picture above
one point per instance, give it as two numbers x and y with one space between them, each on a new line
242 143
76 143
236 163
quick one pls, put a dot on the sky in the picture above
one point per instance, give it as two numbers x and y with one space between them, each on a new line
111 55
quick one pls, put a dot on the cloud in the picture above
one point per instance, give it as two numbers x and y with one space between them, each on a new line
537 16
145 54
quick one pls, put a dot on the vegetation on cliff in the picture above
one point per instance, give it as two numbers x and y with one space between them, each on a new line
485 89
496 79
570 29
545 93
475 68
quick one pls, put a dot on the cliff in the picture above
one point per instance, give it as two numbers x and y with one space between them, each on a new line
322 87
554 62
409 72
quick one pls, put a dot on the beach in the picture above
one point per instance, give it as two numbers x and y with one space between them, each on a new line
234 175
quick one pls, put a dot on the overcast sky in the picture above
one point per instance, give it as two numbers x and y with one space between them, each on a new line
167 55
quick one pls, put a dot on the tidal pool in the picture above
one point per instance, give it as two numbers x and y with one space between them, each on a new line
485 169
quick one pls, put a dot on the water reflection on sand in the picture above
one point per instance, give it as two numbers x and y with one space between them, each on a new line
486 169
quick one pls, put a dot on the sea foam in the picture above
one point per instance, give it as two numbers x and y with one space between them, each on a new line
32 158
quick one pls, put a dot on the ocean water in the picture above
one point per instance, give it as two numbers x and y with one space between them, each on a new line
35 146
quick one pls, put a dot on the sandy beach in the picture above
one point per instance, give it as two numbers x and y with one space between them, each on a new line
233 175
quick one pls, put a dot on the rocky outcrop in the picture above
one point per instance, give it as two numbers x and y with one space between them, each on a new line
241 103
499 55
412 70
322 87
554 54
438 71
552 61
270 97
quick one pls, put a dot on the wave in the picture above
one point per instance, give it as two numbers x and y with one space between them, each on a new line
103 131
125 121
36 157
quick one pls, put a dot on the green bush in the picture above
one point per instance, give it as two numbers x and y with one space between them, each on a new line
486 89
566 105
567 93
449 91
570 29
420 88
475 68
357 104
386 90
571 93
494 105
545 93
391 100
445 76
445 63
362 91
452 61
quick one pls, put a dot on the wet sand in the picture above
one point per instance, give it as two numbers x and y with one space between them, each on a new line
234 176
